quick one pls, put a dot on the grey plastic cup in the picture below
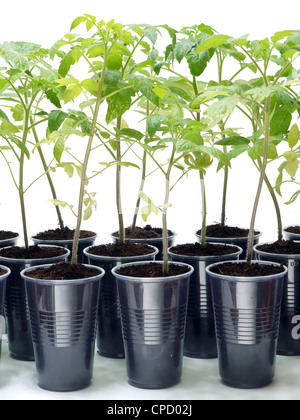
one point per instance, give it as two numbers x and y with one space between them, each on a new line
63 316
247 313
200 337
289 337
3 280
153 315
109 331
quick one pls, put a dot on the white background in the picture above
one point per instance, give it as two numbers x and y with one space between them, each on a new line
45 23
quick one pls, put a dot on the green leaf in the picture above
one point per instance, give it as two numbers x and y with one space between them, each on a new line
294 136
233 141
117 105
71 93
131 133
212 42
280 121
53 98
293 198
8 128
278 36
66 63
59 147
114 62
78 21
221 109
21 146
198 63
153 124
160 91
55 120
182 48
91 86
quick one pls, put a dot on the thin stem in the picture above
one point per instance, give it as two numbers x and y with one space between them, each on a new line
118 185
261 180
85 163
21 178
165 210
45 166
204 209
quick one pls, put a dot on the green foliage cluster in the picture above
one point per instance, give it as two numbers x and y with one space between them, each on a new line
185 84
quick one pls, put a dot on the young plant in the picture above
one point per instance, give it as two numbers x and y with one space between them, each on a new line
267 101
26 81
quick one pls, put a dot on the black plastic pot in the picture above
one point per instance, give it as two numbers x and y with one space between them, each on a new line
68 243
289 332
200 337
241 242
2 295
247 312
63 317
153 314
109 330
156 242
16 308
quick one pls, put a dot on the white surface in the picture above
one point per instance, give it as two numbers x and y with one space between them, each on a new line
200 381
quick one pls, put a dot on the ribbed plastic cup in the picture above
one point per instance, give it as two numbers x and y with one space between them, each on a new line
289 331
290 236
3 279
63 316
247 312
68 243
16 307
200 337
109 329
241 242
153 314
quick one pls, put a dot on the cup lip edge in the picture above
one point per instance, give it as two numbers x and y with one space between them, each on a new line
243 278
241 238
290 256
34 260
206 257
62 282
152 279
109 258
68 241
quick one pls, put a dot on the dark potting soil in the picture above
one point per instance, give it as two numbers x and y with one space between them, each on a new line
246 270
119 249
7 235
64 271
293 229
152 270
209 249
219 231
33 252
281 247
62 234
147 232
2 272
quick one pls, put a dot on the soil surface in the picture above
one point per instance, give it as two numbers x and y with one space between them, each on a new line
218 231
147 232
152 270
246 270
293 229
33 252
281 247
118 249
64 271
7 235
59 234
197 249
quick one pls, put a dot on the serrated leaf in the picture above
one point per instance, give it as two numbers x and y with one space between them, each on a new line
294 136
212 42
90 85
55 120
59 147
71 93
233 141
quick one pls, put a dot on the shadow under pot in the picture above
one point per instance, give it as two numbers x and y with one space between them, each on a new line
153 314
200 337
247 311
4 273
141 235
109 330
16 307
289 331
65 239
63 317
241 241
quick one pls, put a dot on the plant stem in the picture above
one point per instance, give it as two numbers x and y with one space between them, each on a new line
21 177
204 210
261 180
165 210
51 185
118 185
85 162
225 182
